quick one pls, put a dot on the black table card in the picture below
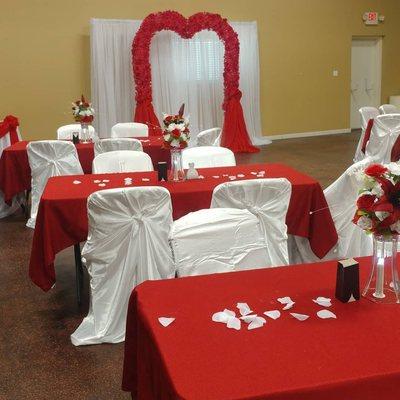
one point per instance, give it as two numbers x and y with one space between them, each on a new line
347 281
162 171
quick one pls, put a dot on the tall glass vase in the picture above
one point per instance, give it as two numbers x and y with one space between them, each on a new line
177 173
383 283
85 136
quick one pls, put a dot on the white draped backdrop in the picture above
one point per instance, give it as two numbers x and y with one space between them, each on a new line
183 71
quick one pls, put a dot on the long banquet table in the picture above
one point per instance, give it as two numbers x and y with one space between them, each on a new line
356 356
62 216
15 172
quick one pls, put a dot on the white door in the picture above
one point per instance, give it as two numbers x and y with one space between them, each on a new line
366 58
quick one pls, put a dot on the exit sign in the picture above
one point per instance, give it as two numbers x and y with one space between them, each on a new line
371 18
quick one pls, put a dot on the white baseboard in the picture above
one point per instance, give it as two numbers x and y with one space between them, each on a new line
308 134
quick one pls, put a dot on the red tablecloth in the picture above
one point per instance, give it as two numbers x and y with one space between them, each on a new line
62 215
353 357
15 172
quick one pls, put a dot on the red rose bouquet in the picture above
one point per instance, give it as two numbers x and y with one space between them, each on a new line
378 204
82 111
176 130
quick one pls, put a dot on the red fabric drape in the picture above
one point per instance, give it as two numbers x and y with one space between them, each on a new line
395 154
234 132
10 124
145 114
367 134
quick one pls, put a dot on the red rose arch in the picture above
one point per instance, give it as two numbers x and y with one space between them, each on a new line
234 131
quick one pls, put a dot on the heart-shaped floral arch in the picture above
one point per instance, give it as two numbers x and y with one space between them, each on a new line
234 131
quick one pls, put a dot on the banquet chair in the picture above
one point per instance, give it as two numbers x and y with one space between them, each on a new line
129 129
122 161
217 240
366 114
341 197
65 132
208 156
127 245
49 158
388 109
384 135
268 200
209 137
113 144
5 141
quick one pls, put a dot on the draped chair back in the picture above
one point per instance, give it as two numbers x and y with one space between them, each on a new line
129 129
49 158
122 161
208 156
114 144
209 137
268 200
388 109
127 245
66 132
217 240
383 144
367 115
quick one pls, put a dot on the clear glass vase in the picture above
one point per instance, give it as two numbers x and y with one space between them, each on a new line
177 173
85 136
383 283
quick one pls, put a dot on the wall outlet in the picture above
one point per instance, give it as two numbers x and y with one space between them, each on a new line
335 72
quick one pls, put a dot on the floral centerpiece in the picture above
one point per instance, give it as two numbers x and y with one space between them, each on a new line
378 213
176 130
378 203
83 113
176 136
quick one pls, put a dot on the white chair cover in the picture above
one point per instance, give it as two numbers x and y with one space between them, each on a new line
127 245
209 137
49 158
341 197
388 109
122 161
65 132
113 144
208 156
129 129
268 200
6 210
366 113
384 134
217 240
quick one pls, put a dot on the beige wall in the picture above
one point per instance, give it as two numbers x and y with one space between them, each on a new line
45 56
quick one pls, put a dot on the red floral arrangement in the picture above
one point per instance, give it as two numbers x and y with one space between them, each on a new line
82 111
378 205
176 130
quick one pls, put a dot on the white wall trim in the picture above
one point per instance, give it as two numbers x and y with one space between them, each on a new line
308 134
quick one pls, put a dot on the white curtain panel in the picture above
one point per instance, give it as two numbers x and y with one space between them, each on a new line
186 71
